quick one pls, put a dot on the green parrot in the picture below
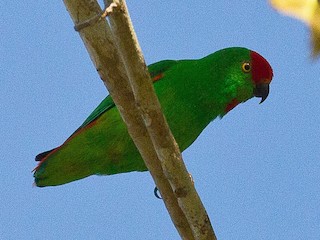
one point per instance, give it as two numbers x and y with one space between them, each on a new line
192 93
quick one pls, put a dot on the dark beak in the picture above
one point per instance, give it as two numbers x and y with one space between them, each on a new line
261 90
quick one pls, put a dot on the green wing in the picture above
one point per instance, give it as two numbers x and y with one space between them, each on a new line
160 67
155 70
104 106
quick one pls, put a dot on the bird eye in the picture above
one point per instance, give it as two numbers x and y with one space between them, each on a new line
246 67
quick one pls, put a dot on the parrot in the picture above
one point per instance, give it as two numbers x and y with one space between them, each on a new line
192 93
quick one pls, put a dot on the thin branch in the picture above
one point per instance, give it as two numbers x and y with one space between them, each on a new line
100 45
166 147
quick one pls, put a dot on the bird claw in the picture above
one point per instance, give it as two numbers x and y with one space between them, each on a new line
156 191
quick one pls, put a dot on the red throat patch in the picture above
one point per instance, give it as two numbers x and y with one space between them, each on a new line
231 105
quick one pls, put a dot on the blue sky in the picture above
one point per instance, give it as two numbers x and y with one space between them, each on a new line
256 170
